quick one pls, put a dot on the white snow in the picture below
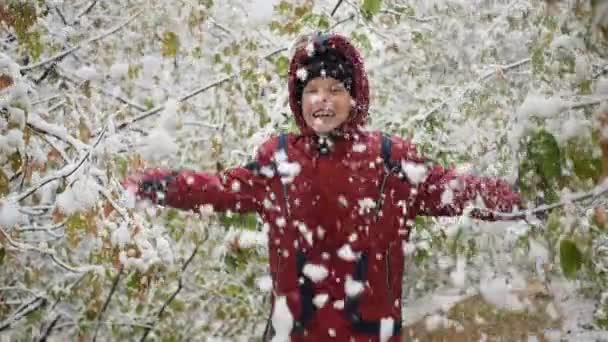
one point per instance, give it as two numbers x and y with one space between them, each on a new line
458 276
353 288
264 283
416 172
541 106
346 253
302 74
282 320
158 145
315 272
82 195
359 148
121 236
501 290
119 70
320 300
386 328
10 215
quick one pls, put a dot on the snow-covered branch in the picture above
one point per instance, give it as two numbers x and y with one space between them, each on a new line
598 191
66 171
472 85
80 45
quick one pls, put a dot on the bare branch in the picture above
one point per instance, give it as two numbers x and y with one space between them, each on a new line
49 329
107 302
80 45
180 286
336 7
88 9
23 311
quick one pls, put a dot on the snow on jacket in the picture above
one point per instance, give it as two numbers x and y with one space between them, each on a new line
337 221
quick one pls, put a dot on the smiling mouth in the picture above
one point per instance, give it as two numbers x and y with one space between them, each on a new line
323 114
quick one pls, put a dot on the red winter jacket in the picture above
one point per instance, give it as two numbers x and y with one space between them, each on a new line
337 221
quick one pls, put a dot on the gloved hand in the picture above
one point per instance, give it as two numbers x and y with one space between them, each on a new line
151 184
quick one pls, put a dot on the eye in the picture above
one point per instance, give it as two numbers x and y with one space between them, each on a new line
310 91
338 88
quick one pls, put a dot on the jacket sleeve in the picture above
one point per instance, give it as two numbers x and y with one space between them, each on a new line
239 189
442 191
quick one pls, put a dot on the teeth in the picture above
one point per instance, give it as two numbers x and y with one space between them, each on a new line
323 114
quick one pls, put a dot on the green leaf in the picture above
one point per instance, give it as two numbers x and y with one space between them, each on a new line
16 161
75 222
585 166
282 65
170 44
247 221
571 258
544 148
371 8
4 184
541 167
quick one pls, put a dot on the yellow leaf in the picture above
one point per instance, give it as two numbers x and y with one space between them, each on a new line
170 44
4 183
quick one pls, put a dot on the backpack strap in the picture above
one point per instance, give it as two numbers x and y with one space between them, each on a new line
283 142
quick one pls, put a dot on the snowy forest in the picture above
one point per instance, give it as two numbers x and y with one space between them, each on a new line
93 91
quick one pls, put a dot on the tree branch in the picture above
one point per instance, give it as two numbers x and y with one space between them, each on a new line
598 191
63 173
107 302
336 7
180 286
49 329
22 311
461 94
80 45
157 109
88 9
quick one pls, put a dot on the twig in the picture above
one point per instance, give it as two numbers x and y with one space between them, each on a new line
63 173
22 311
49 329
336 7
39 125
157 109
340 22
592 102
462 93
42 136
180 285
107 302
61 15
80 45
45 99
88 9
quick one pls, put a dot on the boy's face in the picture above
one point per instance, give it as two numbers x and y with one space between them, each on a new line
326 104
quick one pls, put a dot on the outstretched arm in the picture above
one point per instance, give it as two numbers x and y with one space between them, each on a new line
239 189
444 192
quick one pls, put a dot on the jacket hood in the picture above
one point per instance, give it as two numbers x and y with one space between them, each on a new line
360 89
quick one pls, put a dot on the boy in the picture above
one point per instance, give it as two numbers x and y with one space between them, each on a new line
338 202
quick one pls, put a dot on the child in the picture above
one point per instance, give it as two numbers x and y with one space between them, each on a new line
338 202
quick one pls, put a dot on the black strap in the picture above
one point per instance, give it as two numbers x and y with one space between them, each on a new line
307 292
351 306
283 142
